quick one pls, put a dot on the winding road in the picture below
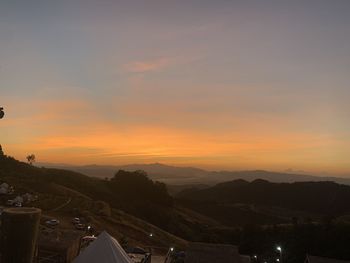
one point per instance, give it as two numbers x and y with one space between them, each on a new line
62 205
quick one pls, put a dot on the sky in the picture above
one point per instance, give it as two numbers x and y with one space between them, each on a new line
219 84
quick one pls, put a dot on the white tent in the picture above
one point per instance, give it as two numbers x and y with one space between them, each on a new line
105 249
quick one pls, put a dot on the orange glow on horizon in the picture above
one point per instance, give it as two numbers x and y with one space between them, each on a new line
56 132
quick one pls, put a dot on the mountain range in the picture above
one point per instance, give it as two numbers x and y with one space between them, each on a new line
173 175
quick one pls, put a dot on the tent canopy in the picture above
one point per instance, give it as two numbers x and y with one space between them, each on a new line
105 249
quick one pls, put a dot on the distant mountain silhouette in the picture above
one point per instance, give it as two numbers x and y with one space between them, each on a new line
190 175
156 171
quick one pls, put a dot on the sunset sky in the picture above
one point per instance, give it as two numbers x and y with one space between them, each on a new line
215 84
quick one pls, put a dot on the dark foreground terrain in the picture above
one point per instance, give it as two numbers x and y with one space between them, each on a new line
304 217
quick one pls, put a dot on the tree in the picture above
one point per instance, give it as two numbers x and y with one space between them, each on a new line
31 159
2 113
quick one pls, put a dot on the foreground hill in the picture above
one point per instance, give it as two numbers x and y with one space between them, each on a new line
173 175
314 198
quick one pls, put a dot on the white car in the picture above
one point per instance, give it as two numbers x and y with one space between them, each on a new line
18 204
52 222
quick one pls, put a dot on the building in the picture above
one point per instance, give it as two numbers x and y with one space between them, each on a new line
58 246
315 259
209 253
245 259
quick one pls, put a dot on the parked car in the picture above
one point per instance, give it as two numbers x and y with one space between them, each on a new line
135 250
76 220
52 222
18 204
89 238
10 202
80 226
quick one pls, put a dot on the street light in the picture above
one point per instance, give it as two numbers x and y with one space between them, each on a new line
279 249
151 234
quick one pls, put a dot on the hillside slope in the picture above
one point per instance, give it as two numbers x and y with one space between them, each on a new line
143 204
317 197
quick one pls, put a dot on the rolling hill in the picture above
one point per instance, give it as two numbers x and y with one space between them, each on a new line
279 202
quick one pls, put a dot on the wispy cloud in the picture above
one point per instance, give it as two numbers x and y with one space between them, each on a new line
158 64
148 65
